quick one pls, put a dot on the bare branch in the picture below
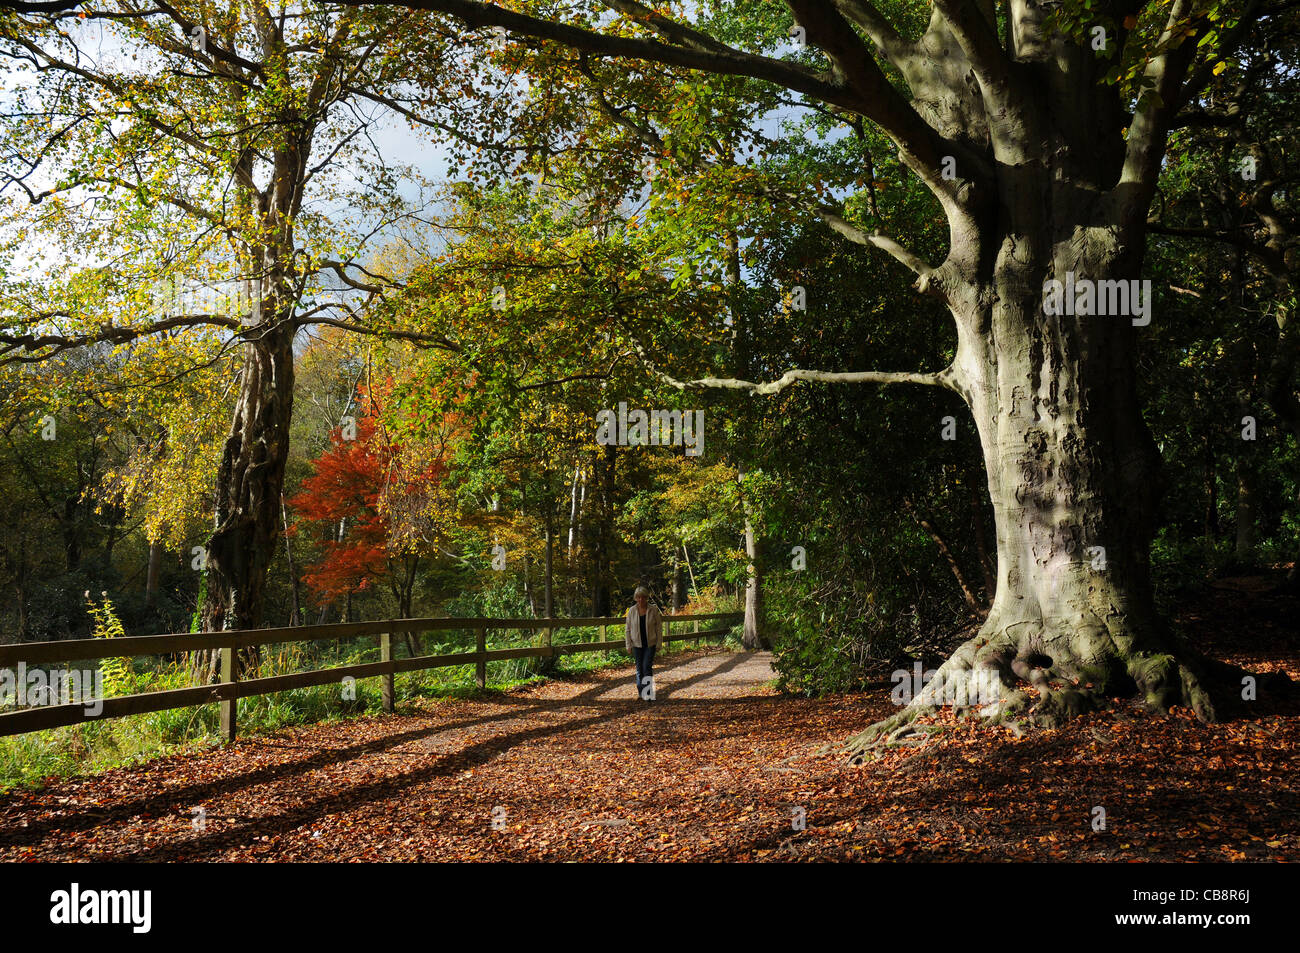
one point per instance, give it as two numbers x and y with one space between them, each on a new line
918 266
425 340
669 29
339 268
936 379
23 348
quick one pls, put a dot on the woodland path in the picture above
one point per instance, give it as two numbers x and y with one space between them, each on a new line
717 768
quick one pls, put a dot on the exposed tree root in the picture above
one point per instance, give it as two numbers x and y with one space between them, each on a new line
1034 674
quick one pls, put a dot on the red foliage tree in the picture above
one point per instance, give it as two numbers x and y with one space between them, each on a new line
371 503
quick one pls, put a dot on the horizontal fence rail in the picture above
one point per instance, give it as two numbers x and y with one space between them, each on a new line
230 689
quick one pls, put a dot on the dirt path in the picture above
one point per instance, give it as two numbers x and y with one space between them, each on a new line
718 767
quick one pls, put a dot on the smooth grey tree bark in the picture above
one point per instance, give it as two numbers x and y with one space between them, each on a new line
754 635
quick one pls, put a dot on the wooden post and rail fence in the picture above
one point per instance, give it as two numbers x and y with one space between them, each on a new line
230 689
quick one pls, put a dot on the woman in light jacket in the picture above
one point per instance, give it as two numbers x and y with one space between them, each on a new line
644 631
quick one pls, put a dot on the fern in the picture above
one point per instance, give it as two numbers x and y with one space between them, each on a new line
118 673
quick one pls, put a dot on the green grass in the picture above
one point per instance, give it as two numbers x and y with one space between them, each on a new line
35 758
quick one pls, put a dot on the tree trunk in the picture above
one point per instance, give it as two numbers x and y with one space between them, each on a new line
405 597
549 584
249 485
1281 387
1073 478
24 623
602 551
71 525
690 572
250 479
1211 493
152 573
754 634
295 618
1244 553
528 584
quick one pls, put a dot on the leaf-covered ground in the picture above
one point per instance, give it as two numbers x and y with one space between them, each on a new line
719 767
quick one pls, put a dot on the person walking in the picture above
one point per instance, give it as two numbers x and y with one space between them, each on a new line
644 632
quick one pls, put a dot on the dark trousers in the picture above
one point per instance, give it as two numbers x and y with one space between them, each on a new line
645 660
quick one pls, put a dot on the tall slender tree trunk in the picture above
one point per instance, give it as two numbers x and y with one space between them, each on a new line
1247 493
1281 374
20 597
295 584
549 596
690 572
529 595
602 551
754 635
679 583
1211 519
404 609
152 573
71 526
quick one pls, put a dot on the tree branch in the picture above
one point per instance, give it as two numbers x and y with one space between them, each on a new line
426 340
856 84
978 39
789 378
882 33
1164 75
26 345
917 265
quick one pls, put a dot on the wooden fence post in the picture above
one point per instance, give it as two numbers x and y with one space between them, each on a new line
229 709
480 667
697 633
386 655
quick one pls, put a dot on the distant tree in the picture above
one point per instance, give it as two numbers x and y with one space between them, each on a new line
376 507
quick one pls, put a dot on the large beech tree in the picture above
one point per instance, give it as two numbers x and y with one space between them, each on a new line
1041 138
